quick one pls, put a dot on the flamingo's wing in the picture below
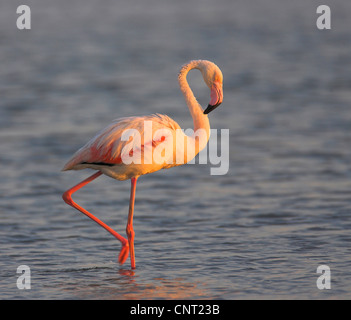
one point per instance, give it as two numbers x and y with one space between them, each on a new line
110 145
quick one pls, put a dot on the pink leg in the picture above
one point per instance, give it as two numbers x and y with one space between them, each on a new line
68 199
129 229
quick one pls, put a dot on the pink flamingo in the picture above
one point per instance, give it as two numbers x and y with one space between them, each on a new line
106 151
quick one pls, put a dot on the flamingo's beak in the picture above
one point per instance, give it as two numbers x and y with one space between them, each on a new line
216 97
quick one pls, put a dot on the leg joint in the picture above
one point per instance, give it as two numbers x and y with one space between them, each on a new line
130 231
67 197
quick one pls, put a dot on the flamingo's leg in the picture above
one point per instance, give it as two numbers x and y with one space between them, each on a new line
129 229
67 197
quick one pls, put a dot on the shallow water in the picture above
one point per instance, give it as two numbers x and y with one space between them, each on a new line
260 231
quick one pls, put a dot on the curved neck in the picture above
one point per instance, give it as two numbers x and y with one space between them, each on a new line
199 118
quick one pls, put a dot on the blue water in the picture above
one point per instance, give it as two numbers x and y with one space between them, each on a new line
260 231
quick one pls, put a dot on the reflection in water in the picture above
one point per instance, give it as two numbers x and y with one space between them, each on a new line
128 285
161 288
125 272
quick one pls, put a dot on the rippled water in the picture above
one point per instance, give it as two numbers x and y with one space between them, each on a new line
260 231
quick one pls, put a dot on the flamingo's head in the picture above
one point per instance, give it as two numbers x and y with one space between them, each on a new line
214 79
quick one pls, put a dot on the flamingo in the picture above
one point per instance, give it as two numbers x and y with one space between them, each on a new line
106 151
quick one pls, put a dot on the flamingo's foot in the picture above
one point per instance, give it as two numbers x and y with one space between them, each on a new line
123 255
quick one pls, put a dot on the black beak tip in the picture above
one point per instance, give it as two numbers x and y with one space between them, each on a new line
207 110
211 108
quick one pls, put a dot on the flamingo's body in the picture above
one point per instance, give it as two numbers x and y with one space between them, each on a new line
107 151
